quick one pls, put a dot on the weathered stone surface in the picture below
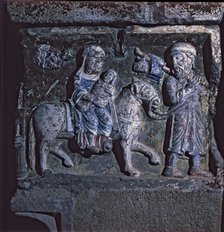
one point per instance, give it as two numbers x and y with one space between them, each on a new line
115 12
94 195
93 203
53 84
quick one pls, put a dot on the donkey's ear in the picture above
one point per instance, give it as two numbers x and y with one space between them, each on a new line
138 52
135 88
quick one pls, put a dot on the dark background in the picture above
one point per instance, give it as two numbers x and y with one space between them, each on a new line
12 71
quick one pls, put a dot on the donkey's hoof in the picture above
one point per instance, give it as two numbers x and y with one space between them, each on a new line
132 172
47 172
155 160
68 163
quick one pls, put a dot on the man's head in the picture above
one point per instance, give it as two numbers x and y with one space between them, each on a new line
183 58
93 57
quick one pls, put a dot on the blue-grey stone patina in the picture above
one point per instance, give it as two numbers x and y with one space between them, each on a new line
114 128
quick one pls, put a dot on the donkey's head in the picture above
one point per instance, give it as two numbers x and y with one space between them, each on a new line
141 63
144 91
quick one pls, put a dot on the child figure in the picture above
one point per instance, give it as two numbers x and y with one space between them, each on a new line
101 99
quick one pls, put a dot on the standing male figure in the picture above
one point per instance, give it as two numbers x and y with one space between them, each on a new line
185 127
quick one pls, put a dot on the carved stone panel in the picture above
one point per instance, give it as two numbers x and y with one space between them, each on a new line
118 116
139 55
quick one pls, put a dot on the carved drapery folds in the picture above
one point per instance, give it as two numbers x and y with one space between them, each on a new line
130 97
81 104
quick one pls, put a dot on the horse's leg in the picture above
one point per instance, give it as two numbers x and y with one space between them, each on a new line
154 158
44 150
60 152
129 169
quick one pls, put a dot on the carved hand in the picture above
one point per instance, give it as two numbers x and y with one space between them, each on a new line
155 104
196 80
87 97
110 89
188 89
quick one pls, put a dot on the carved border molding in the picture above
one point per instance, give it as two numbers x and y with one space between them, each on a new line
146 13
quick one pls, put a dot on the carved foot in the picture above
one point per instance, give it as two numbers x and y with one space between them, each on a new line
169 171
132 172
199 172
107 146
94 149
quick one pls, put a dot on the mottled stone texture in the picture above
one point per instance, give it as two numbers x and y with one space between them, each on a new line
54 84
94 195
146 13
156 204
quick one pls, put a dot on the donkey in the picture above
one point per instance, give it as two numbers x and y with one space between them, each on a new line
50 122
129 104
129 115
47 123
51 126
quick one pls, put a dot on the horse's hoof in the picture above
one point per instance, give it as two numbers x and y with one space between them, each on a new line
47 172
68 163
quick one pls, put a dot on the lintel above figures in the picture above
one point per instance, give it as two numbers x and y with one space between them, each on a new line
101 12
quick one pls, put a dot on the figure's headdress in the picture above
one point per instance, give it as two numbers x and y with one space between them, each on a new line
183 47
93 51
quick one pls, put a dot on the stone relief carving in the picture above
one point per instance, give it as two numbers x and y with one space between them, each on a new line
90 116
99 120
91 97
103 99
128 104
51 58
186 125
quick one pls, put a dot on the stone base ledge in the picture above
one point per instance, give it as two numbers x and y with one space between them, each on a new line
118 203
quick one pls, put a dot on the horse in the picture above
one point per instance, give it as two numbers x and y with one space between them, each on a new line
129 114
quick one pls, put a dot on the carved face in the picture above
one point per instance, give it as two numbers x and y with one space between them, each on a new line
182 63
93 65
110 77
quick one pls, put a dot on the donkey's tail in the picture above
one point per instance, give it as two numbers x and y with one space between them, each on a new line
31 145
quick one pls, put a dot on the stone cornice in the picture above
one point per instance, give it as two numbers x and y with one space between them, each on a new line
119 13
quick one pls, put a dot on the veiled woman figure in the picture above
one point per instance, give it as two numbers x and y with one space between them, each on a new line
86 118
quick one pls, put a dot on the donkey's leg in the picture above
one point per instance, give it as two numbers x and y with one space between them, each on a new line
154 158
60 152
44 150
129 169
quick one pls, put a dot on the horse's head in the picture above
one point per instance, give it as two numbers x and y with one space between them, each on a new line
144 91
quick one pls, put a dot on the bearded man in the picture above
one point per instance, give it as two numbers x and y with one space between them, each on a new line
186 126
